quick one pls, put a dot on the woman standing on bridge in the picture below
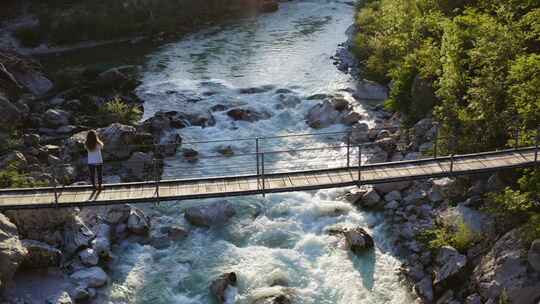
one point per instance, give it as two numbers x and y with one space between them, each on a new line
95 161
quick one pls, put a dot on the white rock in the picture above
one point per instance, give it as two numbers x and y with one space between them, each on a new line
89 257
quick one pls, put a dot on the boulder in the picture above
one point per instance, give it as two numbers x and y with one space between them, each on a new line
504 267
375 155
448 188
120 141
368 90
11 115
140 167
323 115
117 214
448 263
92 277
421 128
359 133
39 224
219 286
89 257
210 215
358 240
40 255
393 186
424 289
60 298
54 118
370 198
76 236
174 233
388 144
101 245
534 255
34 81
268 6
137 222
247 114
495 183
393 196
169 144
12 251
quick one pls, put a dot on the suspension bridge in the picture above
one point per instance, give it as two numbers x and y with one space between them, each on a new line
264 171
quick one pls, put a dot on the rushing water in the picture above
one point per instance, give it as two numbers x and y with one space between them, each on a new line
280 238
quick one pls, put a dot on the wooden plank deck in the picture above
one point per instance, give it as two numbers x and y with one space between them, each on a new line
273 183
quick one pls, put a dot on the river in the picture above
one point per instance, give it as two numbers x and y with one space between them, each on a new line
280 237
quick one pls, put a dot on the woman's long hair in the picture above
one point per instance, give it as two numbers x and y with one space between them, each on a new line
92 140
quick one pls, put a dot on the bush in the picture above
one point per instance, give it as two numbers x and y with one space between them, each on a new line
459 235
13 178
29 36
116 110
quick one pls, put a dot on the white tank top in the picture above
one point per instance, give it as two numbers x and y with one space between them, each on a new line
94 157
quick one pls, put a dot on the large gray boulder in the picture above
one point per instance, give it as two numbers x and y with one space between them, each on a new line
12 251
92 277
76 236
40 224
40 255
368 90
34 81
119 140
360 133
503 268
210 215
449 262
140 167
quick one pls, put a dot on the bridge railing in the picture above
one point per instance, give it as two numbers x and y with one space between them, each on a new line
260 157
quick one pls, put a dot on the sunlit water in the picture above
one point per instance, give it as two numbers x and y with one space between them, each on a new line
280 238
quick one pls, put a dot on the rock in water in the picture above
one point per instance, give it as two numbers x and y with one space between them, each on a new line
102 243
209 215
358 240
220 285
12 251
60 298
76 236
40 255
248 114
91 277
138 222
448 263
89 257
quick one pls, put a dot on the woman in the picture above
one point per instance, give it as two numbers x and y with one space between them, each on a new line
95 160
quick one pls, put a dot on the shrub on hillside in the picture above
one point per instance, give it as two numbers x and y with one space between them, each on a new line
117 110
458 235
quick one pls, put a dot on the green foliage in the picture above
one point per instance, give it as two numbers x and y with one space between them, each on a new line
12 177
458 235
518 207
116 110
29 36
480 57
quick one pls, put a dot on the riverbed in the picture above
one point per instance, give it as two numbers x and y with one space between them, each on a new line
279 239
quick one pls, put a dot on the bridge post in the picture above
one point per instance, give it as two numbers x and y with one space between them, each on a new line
537 143
451 163
257 157
436 139
516 145
156 179
55 193
359 165
348 150
262 175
